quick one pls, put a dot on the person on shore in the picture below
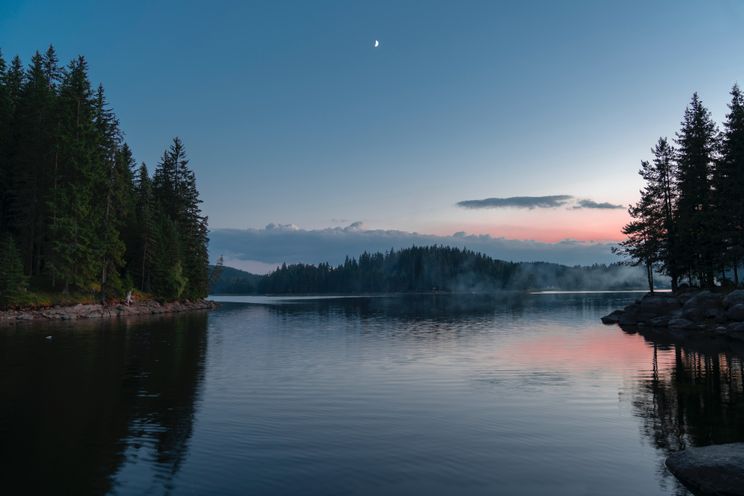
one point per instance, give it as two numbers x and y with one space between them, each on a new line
129 298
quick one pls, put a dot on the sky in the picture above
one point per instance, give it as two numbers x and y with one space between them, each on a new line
519 124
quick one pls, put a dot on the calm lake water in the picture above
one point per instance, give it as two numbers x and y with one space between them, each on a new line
435 394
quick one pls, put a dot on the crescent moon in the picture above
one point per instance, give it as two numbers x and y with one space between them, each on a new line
376 44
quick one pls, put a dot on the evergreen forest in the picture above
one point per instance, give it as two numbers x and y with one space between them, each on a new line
78 215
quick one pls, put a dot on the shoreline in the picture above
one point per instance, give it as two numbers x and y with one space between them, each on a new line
85 311
687 313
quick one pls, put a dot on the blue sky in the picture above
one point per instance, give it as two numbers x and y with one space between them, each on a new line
291 117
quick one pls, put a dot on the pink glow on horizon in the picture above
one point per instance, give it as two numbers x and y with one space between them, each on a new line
546 226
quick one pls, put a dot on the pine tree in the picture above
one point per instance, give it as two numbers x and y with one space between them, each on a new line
113 164
35 127
697 143
174 185
74 259
69 197
142 245
13 282
662 192
729 185
645 233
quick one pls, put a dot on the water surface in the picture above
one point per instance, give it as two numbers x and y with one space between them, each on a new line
431 394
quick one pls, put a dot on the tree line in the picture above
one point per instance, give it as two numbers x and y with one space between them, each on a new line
425 269
689 221
77 214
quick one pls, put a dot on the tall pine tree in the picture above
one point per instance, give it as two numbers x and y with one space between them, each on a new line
695 233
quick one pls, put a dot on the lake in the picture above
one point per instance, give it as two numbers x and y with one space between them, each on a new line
429 394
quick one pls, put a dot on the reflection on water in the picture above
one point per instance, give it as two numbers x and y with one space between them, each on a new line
429 394
694 393
77 408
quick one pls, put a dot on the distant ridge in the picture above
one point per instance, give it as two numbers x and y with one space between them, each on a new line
431 268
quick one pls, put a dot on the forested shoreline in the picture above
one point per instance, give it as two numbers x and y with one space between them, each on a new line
425 269
689 221
78 215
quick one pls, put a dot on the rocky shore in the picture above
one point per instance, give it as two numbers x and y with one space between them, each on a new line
703 312
711 470
98 311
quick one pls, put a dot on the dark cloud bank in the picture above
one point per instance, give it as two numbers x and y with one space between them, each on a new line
274 244
532 202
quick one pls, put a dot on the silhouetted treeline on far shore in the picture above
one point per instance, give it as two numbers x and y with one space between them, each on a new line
431 268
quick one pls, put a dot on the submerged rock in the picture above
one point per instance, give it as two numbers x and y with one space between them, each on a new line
711 470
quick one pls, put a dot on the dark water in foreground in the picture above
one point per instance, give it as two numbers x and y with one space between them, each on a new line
419 395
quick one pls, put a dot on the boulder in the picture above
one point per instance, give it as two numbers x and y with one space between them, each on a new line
681 323
660 321
711 470
703 305
659 303
705 299
735 297
613 318
736 312
694 313
736 327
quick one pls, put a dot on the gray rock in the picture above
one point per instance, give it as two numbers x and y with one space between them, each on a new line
694 313
716 314
704 299
659 303
735 297
660 321
712 470
736 312
736 327
681 324
613 317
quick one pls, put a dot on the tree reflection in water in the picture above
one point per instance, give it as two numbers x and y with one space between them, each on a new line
94 397
693 394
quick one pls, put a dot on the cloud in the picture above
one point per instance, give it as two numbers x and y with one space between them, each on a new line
599 205
529 202
262 249
532 202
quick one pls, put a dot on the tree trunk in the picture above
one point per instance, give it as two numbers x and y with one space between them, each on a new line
650 275
736 274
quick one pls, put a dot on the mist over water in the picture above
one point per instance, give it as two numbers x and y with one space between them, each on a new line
430 394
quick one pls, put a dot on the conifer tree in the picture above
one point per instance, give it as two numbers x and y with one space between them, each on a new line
74 233
697 143
143 244
34 157
646 231
13 282
729 185
69 197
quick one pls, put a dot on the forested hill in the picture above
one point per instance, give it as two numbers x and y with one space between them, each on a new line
436 268
77 214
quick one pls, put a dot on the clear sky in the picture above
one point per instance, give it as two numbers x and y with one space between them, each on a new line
290 116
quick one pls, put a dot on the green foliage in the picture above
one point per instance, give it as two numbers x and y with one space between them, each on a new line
13 282
69 196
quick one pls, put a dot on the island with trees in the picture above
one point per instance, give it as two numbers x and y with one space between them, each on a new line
80 220
689 225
